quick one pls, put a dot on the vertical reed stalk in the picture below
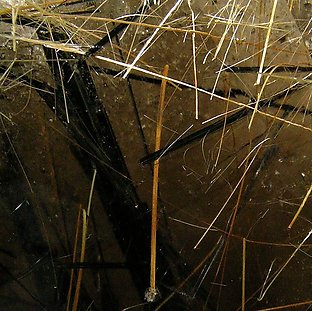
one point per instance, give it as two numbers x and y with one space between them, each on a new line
243 274
155 181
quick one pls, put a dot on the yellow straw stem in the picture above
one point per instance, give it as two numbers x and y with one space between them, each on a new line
266 44
82 256
155 181
74 259
85 219
301 207
244 274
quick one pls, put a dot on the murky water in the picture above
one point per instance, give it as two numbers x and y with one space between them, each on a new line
234 166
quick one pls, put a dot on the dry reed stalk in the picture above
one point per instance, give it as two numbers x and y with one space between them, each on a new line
293 305
244 274
259 95
247 43
301 207
91 192
74 259
148 43
279 271
82 256
85 217
266 44
155 181
265 48
257 149
223 132
203 91
291 4
194 60
195 270
230 232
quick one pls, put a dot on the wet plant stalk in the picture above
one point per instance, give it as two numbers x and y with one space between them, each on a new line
155 181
